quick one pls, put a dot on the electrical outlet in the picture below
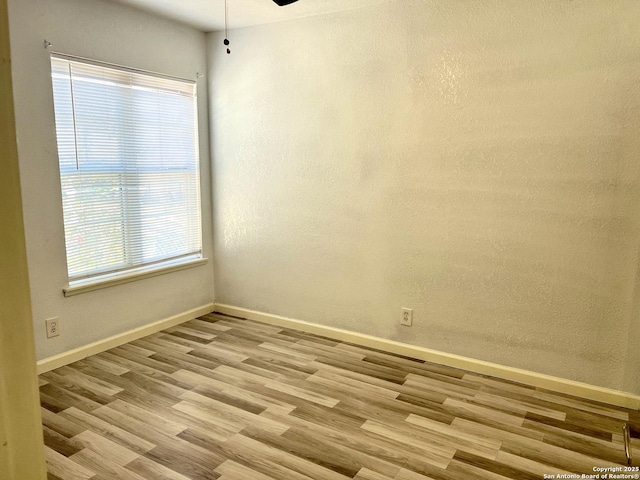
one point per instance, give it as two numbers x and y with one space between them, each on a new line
407 317
53 327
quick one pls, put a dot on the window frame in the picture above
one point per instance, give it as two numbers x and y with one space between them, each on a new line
132 268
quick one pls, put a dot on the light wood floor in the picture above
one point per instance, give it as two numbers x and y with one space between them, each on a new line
230 399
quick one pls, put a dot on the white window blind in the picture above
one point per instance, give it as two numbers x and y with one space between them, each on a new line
129 168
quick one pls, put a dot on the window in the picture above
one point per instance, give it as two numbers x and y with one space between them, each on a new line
128 152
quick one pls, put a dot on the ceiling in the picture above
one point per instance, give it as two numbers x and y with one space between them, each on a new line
208 15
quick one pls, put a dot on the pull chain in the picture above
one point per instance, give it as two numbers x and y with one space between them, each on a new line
226 26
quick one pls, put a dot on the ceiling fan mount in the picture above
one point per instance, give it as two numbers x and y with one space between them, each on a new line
280 3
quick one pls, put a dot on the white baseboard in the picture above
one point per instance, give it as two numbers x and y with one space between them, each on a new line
561 385
79 353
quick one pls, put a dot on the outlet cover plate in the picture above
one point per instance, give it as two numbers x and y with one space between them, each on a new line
53 327
406 317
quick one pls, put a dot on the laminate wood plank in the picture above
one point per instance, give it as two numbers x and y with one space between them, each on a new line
429 406
165 346
139 395
143 352
232 400
183 461
302 393
603 442
147 432
232 413
159 422
154 386
192 332
65 398
471 410
389 456
272 367
52 403
463 460
184 361
382 411
236 471
531 403
102 364
325 451
247 325
207 383
205 322
518 406
287 352
556 457
209 415
609 452
198 424
366 474
531 467
170 451
382 459
368 369
108 430
151 470
291 462
461 441
203 326
248 372
244 333
193 336
76 389
60 424
93 370
240 337
158 341
417 388
460 385
533 422
207 439
409 475
328 457
282 367
134 362
347 373
63 467
579 404
294 335
209 355
262 465
603 423
496 431
108 449
61 444
224 353
464 470
93 384
184 340
436 454
354 387
237 338
501 385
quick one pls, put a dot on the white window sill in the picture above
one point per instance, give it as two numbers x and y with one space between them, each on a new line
131 277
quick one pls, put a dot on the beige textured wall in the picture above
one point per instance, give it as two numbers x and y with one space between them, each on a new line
113 33
476 161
